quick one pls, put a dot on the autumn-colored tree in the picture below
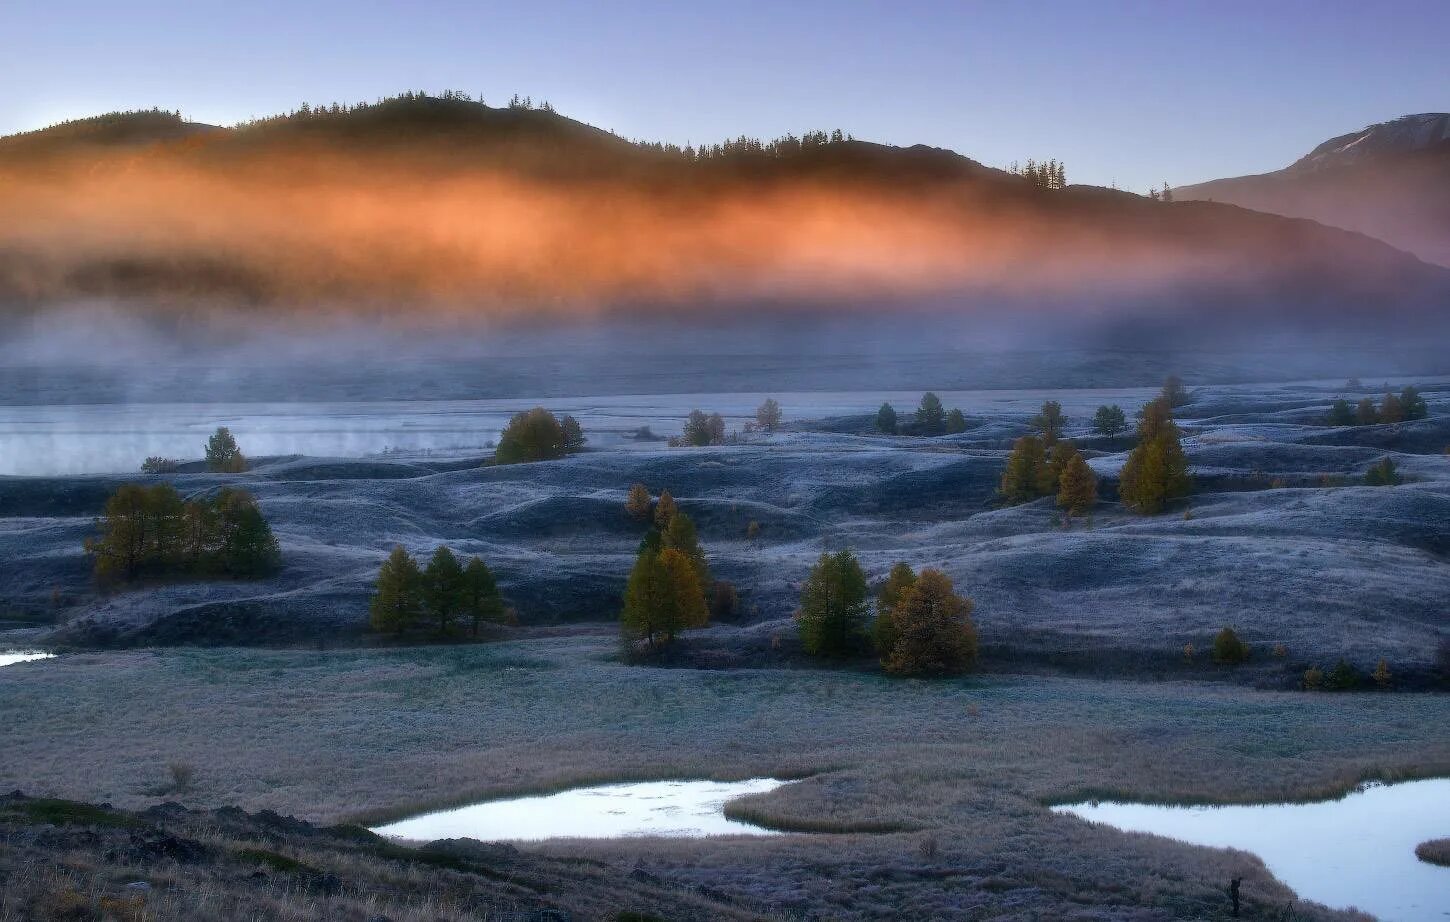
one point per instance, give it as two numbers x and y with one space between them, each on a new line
900 579
222 454
1383 680
1156 472
1365 413
1049 422
664 510
680 535
886 419
1109 420
534 435
933 629
833 614
768 415
639 502
397 602
1175 393
1077 485
930 416
1391 410
1025 473
1228 650
662 597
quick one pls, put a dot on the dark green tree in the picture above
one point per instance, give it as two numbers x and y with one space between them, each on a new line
956 422
1228 650
931 418
445 591
1343 677
1365 413
573 435
1049 422
697 429
834 612
1413 403
886 419
222 453
248 549
1382 474
1109 420
482 600
1340 413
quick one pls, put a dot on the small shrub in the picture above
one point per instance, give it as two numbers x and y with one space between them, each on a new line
1342 677
1280 651
1383 679
1188 652
1435 851
1383 474
159 465
639 502
752 531
182 775
1313 679
724 602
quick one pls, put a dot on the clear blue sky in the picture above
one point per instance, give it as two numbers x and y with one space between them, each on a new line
1135 93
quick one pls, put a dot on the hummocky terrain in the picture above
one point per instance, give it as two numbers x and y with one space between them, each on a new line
1390 180
1281 540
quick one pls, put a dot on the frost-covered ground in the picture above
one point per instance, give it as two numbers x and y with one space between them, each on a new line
1271 546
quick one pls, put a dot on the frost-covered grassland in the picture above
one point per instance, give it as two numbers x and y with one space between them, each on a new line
1279 542
925 798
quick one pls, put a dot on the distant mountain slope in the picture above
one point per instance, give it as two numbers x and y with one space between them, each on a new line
1390 180
423 201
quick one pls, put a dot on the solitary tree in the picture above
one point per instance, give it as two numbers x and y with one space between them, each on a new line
1077 485
1109 420
1049 422
1382 474
1228 650
532 435
1340 413
900 579
222 453
767 415
956 422
931 419
1156 472
886 419
397 602
445 591
933 629
833 613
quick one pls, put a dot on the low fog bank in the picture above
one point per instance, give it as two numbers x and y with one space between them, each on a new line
105 354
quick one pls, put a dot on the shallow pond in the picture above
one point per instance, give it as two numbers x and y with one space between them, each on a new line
1356 851
649 808
10 657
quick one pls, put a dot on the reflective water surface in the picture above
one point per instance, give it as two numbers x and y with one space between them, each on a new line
1356 851
9 657
649 808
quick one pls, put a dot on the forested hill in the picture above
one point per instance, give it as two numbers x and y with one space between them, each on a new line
442 200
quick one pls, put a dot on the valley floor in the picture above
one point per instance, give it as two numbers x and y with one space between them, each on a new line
919 799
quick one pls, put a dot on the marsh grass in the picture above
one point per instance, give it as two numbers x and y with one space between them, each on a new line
1435 851
373 735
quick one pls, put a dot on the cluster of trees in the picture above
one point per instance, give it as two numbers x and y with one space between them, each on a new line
931 419
1046 465
921 626
665 593
1109 420
538 435
438 599
1166 195
1344 677
1050 174
152 533
1407 405
702 429
722 600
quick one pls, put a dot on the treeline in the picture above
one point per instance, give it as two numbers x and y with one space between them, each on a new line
152 533
1049 174
919 625
439 600
1409 404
